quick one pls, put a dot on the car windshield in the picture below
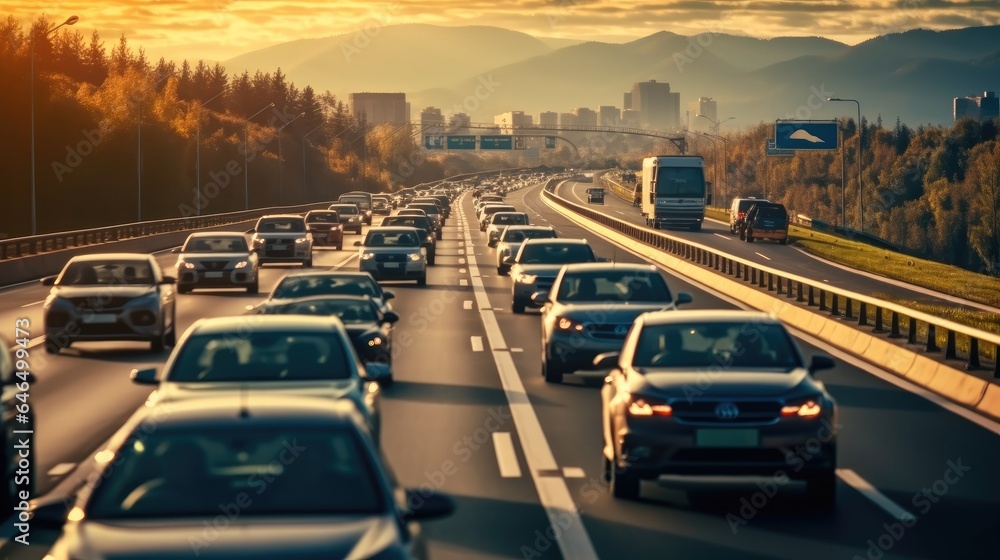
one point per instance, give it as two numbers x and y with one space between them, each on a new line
306 286
348 209
556 254
323 217
291 225
392 238
731 346
427 208
350 311
361 202
107 273
294 470
260 355
408 221
519 235
613 286
216 245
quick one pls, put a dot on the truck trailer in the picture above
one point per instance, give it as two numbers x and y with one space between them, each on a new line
674 191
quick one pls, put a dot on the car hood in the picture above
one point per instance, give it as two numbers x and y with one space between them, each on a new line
541 269
195 257
391 250
617 312
280 235
103 291
358 330
178 391
714 382
290 537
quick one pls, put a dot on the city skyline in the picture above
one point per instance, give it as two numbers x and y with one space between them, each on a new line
222 29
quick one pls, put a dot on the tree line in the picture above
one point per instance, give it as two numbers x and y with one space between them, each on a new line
118 138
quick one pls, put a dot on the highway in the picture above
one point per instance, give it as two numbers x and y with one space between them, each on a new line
769 253
470 415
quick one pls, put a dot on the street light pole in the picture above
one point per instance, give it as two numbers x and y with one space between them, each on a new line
861 129
304 136
715 124
715 168
138 146
197 156
69 21
725 158
281 187
246 170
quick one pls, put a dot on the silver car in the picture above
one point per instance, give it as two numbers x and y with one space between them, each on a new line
511 238
282 238
500 220
393 253
537 264
216 260
110 296
591 308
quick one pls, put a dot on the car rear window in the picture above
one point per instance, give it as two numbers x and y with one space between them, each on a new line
731 346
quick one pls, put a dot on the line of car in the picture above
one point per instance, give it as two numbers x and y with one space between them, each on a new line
717 394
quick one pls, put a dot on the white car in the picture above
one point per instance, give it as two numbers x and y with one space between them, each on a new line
497 222
511 238
282 238
393 253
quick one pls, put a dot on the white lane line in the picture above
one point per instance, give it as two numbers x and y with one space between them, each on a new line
461 251
477 344
467 304
61 469
620 212
762 255
722 236
506 455
867 490
463 282
345 261
573 472
33 303
553 493
517 349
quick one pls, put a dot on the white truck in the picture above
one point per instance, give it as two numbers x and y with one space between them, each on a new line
674 191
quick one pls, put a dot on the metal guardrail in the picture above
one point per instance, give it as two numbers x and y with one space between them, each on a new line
865 310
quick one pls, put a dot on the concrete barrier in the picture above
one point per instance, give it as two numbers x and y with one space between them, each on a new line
942 379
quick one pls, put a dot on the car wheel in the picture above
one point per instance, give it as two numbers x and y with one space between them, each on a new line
170 339
422 281
743 234
821 489
386 382
430 258
503 270
517 306
307 263
254 288
159 343
52 347
606 467
749 236
437 235
624 484
551 372
183 289
783 241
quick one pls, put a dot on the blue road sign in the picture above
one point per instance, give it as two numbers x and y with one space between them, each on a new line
433 142
805 135
504 142
461 142
772 151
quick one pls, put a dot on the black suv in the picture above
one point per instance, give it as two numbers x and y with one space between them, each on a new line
766 220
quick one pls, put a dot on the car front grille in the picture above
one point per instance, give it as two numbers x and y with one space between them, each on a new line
214 265
99 303
608 331
750 412
389 258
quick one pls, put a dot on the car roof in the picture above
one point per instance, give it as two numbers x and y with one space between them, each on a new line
282 216
391 229
263 323
326 274
524 227
709 316
112 257
200 234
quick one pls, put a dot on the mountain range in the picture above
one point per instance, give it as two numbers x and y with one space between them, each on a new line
912 75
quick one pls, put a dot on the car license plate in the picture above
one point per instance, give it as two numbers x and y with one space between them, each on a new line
748 437
213 275
279 247
100 318
391 265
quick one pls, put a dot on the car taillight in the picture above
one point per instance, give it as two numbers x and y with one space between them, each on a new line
740 214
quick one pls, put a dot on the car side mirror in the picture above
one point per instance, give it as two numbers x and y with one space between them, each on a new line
509 260
821 362
145 376
50 514
682 298
607 360
48 281
540 298
387 294
175 250
424 504
390 317
357 243
168 280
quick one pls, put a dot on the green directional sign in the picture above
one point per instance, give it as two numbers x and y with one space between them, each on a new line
434 142
550 141
461 142
504 142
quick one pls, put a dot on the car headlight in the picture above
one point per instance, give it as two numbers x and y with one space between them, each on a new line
526 278
566 324
806 409
302 240
242 264
187 265
367 256
430 239
639 406
416 256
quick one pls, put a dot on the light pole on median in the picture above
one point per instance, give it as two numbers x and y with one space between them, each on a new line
861 129
715 168
715 124
246 170
304 136
197 156
69 21
725 159
281 187
138 145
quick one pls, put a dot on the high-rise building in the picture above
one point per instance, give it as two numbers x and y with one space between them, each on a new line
631 118
510 119
432 119
585 116
378 108
979 108
548 118
567 119
703 106
659 108
459 123
627 101
609 116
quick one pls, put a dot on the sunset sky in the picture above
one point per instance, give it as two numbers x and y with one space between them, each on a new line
220 29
